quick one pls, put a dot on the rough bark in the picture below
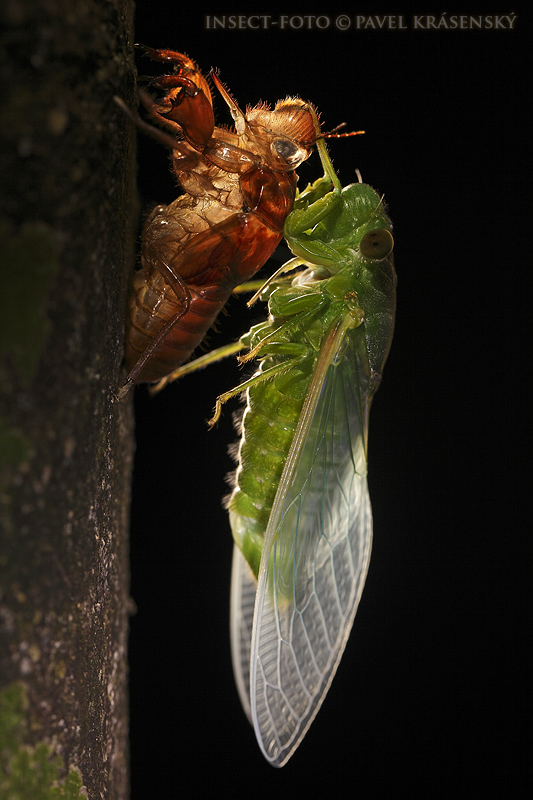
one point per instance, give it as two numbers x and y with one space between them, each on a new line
65 442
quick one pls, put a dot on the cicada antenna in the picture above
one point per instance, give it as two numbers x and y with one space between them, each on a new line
332 134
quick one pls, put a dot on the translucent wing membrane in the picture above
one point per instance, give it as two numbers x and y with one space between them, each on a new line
315 558
243 591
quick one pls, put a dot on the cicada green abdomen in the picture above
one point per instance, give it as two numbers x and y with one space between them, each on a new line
300 510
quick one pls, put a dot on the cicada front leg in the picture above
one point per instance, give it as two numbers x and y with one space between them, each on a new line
316 203
187 105
186 108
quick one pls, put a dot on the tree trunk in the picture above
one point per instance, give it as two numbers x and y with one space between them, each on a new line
66 233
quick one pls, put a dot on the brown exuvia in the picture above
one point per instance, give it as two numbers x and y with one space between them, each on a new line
239 187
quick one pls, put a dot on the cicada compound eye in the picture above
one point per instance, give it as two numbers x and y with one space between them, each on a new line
377 244
288 152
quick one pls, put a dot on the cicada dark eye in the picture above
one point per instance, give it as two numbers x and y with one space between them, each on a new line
377 244
288 152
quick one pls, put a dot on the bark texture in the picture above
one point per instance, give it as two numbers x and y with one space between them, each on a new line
66 211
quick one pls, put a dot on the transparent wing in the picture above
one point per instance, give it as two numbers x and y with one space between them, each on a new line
242 601
316 554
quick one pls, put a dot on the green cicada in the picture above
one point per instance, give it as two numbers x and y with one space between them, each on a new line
300 510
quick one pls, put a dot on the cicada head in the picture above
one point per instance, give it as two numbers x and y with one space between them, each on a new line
289 130
284 137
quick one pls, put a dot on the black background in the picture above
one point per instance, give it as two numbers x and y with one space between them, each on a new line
430 695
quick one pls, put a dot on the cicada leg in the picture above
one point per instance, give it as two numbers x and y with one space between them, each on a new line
162 54
235 347
187 104
303 306
186 109
188 157
295 352
313 191
299 351
305 216
183 296
249 286
286 267
199 363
